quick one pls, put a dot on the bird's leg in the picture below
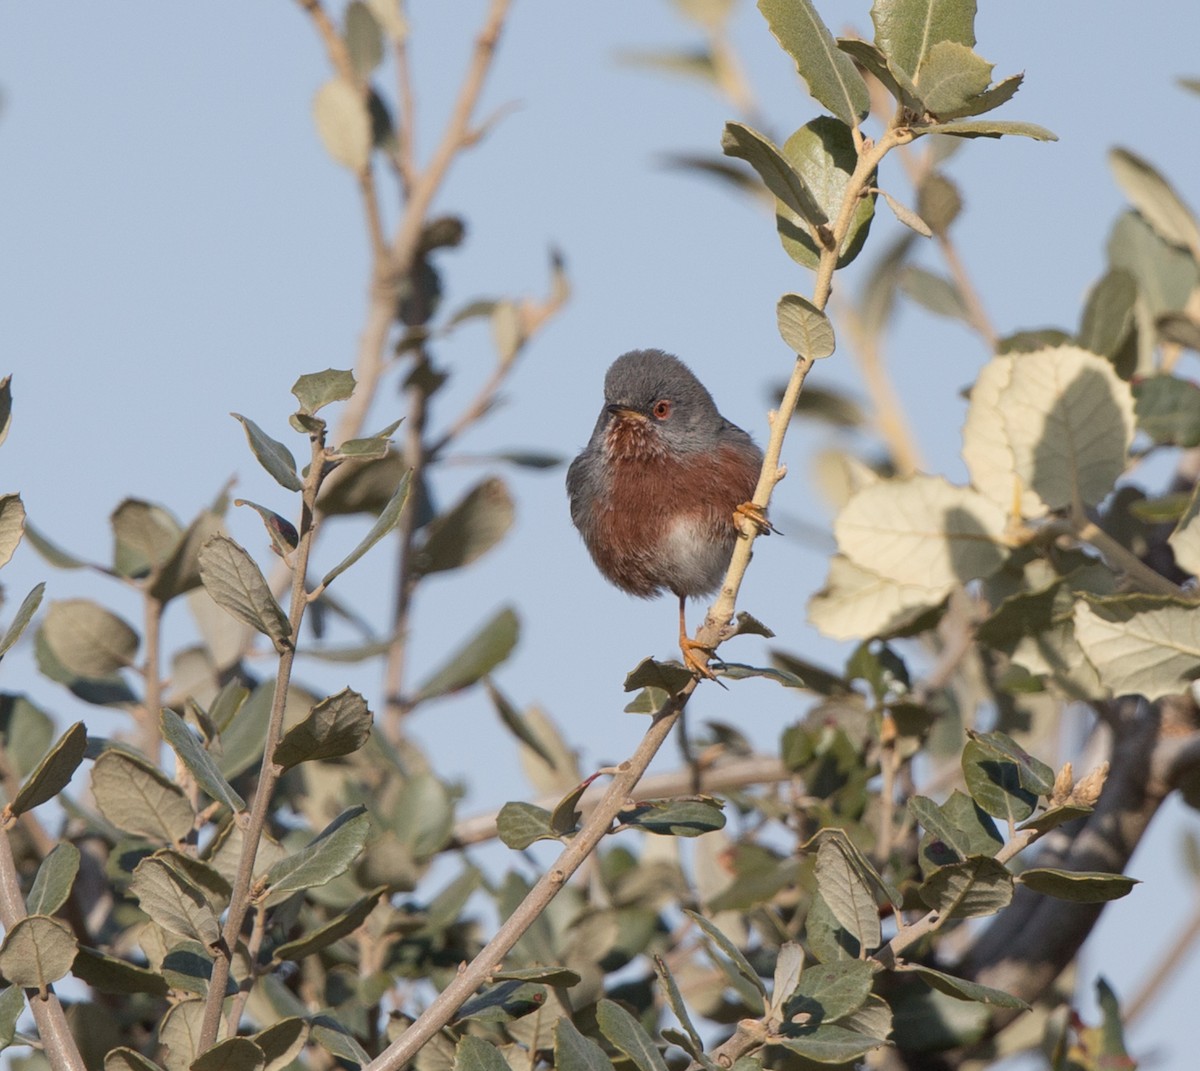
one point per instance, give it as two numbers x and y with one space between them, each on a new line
697 663
756 515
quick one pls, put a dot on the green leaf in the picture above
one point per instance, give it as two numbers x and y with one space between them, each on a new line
906 30
503 1003
574 1052
1140 644
485 650
138 798
180 572
1108 315
894 80
778 175
334 930
831 1044
37 952
1155 198
669 677
846 892
954 830
1078 886
123 1058
5 407
823 153
950 75
329 854
830 991
907 216
232 1054
831 75
676 1002
423 815
987 128
675 817
110 974
282 1042
1165 274
474 1054
923 532
144 535
86 639
935 293
338 725
236 584
12 525
364 39
627 1036
174 902
1055 817
1185 539
804 327
53 554
12 999
21 621
468 530
995 784
519 825
1033 774
565 817
344 123
53 881
517 723
387 520
553 976
196 758
961 989
978 885
315 390
276 458
53 773
730 950
282 533
789 965
1168 410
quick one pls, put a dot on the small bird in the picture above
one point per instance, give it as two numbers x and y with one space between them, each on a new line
657 491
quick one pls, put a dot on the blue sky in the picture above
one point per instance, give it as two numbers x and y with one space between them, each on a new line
177 245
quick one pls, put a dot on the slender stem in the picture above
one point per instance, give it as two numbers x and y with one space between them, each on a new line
415 455
1140 573
152 627
475 973
55 1034
269 772
721 611
258 930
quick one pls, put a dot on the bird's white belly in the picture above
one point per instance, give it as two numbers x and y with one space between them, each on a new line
697 560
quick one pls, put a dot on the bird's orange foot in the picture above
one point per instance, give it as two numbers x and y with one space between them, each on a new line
696 657
756 515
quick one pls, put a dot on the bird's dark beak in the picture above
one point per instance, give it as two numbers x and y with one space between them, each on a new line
624 412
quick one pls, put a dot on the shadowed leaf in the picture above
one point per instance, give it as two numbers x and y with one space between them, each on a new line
237 585
53 881
196 758
387 520
490 646
336 726
272 455
1080 886
54 772
24 615
138 798
326 856
468 530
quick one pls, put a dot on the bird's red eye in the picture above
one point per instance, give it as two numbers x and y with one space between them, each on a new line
662 409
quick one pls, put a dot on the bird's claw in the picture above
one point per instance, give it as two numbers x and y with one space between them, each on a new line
756 515
696 662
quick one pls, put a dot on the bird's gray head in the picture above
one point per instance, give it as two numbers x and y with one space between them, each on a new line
659 393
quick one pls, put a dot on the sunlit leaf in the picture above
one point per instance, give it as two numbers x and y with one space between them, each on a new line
174 902
87 639
804 327
905 30
1155 198
1078 886
136 797
344 123
12 525
831 75
329 854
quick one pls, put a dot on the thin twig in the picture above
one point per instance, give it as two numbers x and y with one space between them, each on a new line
269 772
475 973
57 1041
